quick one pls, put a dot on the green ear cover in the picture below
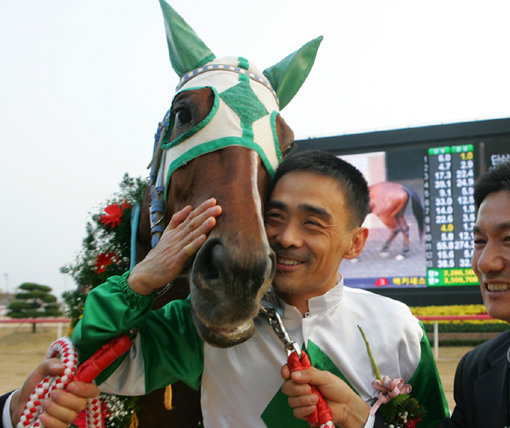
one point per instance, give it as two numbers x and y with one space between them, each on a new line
187 51
287 76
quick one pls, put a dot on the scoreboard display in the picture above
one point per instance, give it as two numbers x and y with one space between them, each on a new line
449 177
439 166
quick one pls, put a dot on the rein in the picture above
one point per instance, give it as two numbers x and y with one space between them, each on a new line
157 189
64 349
297 359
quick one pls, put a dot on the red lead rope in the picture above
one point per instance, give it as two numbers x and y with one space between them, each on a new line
102 358
297 360
322 415
87 372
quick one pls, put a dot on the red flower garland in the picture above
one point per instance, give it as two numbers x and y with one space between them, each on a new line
113 216
411 423
104 260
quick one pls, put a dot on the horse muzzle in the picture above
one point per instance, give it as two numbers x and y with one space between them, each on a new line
226 285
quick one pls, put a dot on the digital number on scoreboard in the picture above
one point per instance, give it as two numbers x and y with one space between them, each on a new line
450 215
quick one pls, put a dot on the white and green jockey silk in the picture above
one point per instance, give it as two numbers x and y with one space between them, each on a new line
240 386
243 114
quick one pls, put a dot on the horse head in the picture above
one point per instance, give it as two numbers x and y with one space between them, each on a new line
223 137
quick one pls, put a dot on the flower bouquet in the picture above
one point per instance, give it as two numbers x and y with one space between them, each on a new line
394 403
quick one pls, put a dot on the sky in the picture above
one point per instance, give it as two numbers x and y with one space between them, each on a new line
83 85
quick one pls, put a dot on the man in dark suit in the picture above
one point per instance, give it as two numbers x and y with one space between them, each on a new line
481 387
59 411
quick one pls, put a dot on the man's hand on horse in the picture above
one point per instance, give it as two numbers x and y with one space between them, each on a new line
184 235
63 406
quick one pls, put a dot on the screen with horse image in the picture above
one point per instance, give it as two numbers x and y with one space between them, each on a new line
422 210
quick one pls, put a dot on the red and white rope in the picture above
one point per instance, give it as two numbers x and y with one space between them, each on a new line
63 349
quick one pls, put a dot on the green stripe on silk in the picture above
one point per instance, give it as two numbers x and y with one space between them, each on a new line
278 413
427 386
173 331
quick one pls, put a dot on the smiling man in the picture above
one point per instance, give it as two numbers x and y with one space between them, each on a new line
481 388
311 226
314 220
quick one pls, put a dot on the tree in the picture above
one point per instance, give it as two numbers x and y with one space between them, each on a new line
34 301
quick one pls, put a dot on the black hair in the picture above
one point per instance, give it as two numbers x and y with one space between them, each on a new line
348 177
495 179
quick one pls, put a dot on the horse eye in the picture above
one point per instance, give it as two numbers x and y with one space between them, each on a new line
287 151
182 116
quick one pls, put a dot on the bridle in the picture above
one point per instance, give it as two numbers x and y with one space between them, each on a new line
259 78
226 125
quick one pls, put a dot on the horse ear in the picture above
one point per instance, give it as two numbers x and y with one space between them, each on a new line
287 76
187 51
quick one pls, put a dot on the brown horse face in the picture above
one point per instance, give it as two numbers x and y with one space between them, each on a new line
235 266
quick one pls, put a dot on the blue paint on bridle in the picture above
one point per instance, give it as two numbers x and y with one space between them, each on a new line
157 205
157 186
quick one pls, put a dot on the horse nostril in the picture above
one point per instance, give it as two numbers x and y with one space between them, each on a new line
210 261
213 267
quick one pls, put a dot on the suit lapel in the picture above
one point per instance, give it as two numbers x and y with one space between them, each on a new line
492 408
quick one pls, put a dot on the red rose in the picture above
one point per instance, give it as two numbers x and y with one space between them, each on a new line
113 216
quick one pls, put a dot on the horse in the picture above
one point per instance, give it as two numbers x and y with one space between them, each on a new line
222 137
388 201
